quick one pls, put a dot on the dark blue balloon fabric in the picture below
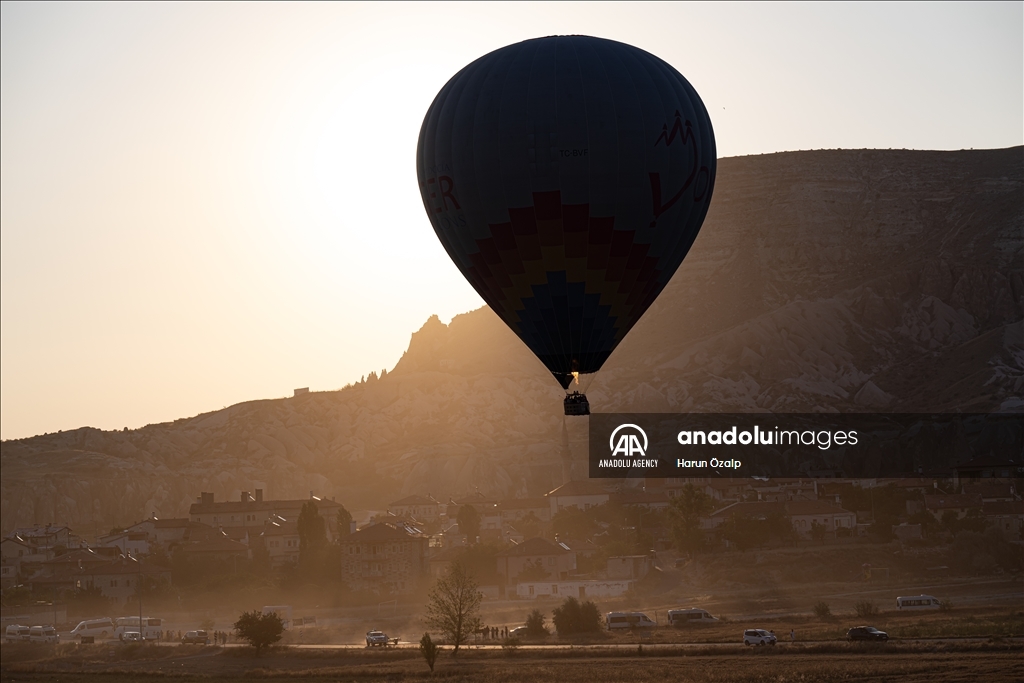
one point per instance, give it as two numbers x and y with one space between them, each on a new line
567 177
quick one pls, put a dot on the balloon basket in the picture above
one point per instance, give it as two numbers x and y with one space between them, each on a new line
576 404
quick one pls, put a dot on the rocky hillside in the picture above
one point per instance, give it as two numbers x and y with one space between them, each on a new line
822 281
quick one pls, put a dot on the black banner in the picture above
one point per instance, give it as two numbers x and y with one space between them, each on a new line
664 445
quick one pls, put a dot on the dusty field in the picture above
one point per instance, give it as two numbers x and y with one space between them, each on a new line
943 663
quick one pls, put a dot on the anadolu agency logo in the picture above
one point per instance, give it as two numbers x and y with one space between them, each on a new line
628 444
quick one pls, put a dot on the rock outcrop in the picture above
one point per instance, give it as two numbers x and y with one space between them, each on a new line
822 281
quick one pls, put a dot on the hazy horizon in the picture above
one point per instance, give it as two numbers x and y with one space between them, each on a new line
192 196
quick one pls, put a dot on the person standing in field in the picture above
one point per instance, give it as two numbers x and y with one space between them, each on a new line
792 636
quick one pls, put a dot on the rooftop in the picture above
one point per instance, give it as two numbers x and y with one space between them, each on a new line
535 547
580 488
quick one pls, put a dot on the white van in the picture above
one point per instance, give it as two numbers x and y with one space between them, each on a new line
43 634
915 602
151 629
15 633
682 617
95 628
628 620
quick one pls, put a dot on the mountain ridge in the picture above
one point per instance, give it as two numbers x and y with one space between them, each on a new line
851 280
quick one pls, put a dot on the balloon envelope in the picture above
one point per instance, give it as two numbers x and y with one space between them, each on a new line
567 177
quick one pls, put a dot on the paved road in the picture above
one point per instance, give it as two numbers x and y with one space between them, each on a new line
617 646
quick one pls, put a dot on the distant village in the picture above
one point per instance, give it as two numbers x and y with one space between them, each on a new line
583 539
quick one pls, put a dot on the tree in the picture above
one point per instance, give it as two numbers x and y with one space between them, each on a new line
87 601
573 617
742 531
866 609
818 531
469 523
687 509
535 624
344 518
312 540
822 611
259 630
311 528
429 649
453 605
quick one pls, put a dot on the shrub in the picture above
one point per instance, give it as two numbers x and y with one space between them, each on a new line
572 617
823 611
946 606
259 630
429 649
535 624
866 608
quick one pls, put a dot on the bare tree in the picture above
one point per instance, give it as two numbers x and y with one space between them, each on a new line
454 604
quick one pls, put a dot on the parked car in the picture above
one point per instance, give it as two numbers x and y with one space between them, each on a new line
758 636
195 638
866 633
131 637
377 639
517 632
15 632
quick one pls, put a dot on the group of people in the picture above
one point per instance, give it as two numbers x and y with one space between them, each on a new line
217 637
494 632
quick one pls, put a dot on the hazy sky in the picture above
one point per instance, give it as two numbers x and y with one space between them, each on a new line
204 204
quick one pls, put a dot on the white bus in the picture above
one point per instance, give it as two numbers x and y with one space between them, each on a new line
912 602
682 617
628 620
95 628
152 629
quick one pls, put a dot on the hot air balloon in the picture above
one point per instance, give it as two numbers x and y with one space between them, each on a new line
567 177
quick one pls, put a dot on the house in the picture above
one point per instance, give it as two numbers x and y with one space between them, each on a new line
1006 515
253 511
84 558
582 589
538 558
750 510
804 514
958 504
46 540
14 551
582 495
649 500
440 561
8 575
132 543
422 508
483 504
991 491
630 566
117 580
163 534
215 549
281 539
385 558
985 467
